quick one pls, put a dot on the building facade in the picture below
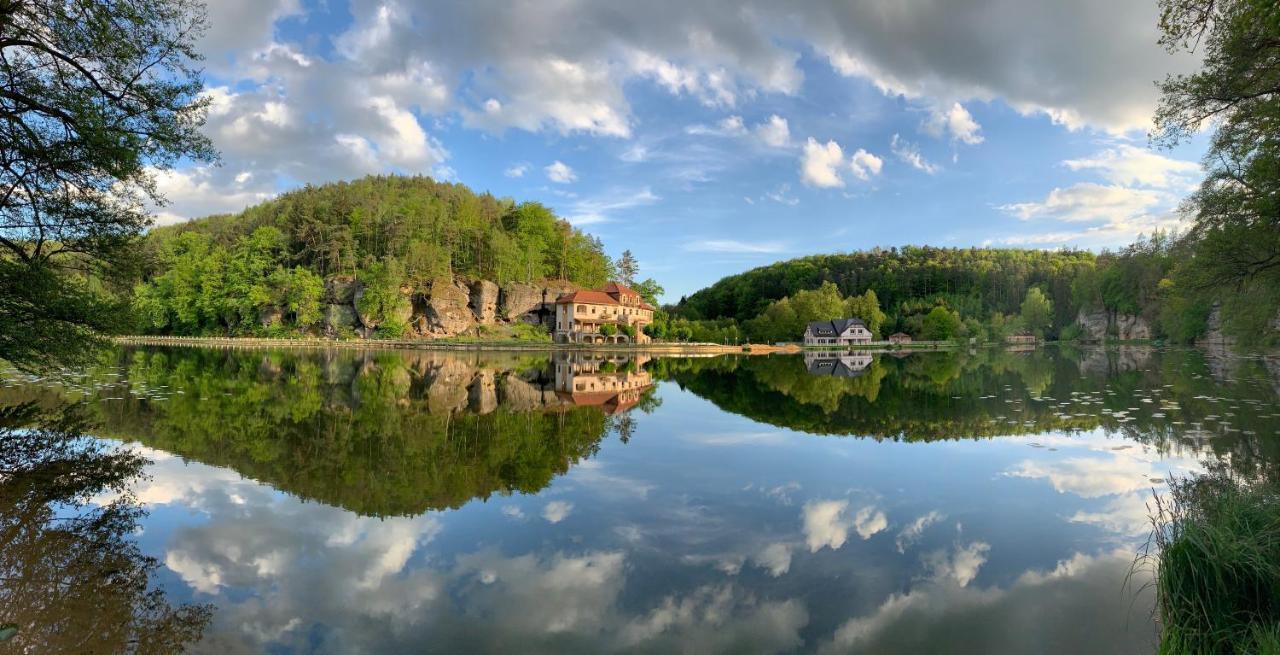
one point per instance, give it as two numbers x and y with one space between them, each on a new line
582 316
838 332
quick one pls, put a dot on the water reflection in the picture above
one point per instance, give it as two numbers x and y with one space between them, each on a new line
973 502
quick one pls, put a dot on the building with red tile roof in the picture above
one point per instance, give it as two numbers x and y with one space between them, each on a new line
582 316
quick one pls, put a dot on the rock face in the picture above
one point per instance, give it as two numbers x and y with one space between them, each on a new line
270 315
339 317
1214 335
1103 325
524 302
446 311
1093 325
340 290
484 300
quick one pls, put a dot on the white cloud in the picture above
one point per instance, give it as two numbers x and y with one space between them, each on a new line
819 163
959 565
827 523
728 126
1128 165
556 511
517 170
774 132
599 209
1087 201
865 165
560 172
734 246
206 190
774 558
956 122
912 533
910 153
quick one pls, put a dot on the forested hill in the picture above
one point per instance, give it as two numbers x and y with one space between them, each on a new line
431 228
975 281
240 273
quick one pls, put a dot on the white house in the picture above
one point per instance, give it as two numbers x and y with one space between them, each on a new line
839 332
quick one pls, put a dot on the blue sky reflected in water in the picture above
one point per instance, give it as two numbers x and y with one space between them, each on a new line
710 532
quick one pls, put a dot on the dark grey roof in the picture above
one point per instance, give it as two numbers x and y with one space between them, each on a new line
834 367
833 328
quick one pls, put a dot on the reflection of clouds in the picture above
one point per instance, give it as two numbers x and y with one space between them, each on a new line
293 576
718 618
591 473
827 523
556 511
959 565
1126 515
513 512
772 437
560 593
912 533
1090 477
1039 608
774 558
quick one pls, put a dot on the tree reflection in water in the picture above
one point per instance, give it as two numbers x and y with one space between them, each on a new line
72 578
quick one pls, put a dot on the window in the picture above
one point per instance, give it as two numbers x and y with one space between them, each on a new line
582 308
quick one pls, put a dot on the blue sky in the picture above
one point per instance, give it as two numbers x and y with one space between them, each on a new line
711 137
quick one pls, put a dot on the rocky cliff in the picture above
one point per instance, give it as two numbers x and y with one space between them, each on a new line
1104 325
447 307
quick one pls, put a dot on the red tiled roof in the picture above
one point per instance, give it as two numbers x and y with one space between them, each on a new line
589 296
603 297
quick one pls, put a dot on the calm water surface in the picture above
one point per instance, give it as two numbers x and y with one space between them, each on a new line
976 502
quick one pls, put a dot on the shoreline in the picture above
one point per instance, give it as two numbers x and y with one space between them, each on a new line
445 344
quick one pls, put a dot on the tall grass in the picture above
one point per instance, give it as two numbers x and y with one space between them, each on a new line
1215 548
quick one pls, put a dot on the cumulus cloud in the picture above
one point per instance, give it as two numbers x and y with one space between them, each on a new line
557 511
826 523
819 162
954 122
560 172
1087 201
959 564
1124 164
910 153
865 165
774 558
516 170
774 132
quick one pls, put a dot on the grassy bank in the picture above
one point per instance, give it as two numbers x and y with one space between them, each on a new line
1216 553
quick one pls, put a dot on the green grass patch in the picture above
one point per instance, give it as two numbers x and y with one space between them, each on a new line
1215 548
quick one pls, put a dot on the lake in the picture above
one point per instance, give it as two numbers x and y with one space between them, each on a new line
965 502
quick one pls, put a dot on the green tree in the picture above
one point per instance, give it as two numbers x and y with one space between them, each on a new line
299 292
628 268
1236 228
608 329
941 324
94 98
649 289
867 308
1037 312
379 301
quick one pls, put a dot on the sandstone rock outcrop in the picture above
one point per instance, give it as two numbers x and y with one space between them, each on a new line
445 311
1103 325
484 300
339 317
340 290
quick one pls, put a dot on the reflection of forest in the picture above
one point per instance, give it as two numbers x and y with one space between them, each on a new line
391 433
72 578
1160 397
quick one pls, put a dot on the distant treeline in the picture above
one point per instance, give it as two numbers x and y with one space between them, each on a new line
217 274
948 292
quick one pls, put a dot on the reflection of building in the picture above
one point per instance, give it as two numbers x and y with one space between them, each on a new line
615 384
1020 339
843 365
899 338
838 332
603 316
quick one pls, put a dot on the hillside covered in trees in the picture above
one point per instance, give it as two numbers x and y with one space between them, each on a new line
377 240
1150 289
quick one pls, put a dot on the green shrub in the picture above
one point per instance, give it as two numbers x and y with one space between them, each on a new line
1216 552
